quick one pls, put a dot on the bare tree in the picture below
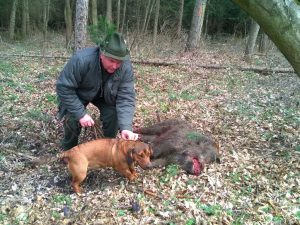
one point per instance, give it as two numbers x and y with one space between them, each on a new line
118 14
149 15
94 12
138 10
68 21
109 10
196 27
81 24
263 42
146 16
156 21
25 15
46 8
280 20
124 16
12 23
180 18
253 32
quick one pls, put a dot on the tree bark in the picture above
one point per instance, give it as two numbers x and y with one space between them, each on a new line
68 21
280 20
12 22
156 22
254 28
81 24
196 27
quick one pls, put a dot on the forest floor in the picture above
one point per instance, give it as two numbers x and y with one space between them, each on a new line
254 117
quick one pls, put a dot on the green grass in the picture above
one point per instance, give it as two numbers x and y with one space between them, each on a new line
190 221
3 217
121 213
62 199
56 215
297 214
51 98
211 209
7 69
171 171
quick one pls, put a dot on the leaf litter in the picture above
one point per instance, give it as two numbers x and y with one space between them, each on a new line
255 118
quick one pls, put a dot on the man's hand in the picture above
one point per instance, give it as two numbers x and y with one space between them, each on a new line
86 121
129 135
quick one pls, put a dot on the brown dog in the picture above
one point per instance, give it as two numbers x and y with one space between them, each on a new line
116 153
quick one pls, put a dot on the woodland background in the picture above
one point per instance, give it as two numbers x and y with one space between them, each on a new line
225 77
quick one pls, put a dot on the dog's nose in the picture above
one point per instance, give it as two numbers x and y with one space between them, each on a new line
149 166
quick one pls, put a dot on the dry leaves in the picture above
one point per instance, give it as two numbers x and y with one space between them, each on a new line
255 118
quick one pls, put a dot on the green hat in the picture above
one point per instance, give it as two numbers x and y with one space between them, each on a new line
115 47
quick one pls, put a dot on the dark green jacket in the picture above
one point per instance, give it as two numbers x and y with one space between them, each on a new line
81 79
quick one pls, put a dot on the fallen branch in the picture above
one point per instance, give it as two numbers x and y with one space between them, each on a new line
32 56
262 70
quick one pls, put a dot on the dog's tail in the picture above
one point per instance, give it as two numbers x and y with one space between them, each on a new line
63 156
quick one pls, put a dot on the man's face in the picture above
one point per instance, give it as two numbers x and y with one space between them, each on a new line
110 64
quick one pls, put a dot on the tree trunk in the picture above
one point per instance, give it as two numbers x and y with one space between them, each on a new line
262 42
146 16
24 18
254 28
46 8
94 12
118 14
81 24
180 18
280 20
27 19
124 16
156 21
196 27
12 23
149 15
138 11
109 11
68 21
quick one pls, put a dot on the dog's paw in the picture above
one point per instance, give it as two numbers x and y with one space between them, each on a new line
132 176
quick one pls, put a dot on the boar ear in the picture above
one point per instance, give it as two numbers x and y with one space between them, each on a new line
151 149
129 156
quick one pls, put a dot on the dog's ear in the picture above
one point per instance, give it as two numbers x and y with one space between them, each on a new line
129 156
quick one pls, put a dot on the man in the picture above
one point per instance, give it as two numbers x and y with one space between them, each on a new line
101 76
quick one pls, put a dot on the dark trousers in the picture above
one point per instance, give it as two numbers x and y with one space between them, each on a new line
72 128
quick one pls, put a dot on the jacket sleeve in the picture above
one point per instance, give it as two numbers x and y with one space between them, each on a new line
125 102
67 83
